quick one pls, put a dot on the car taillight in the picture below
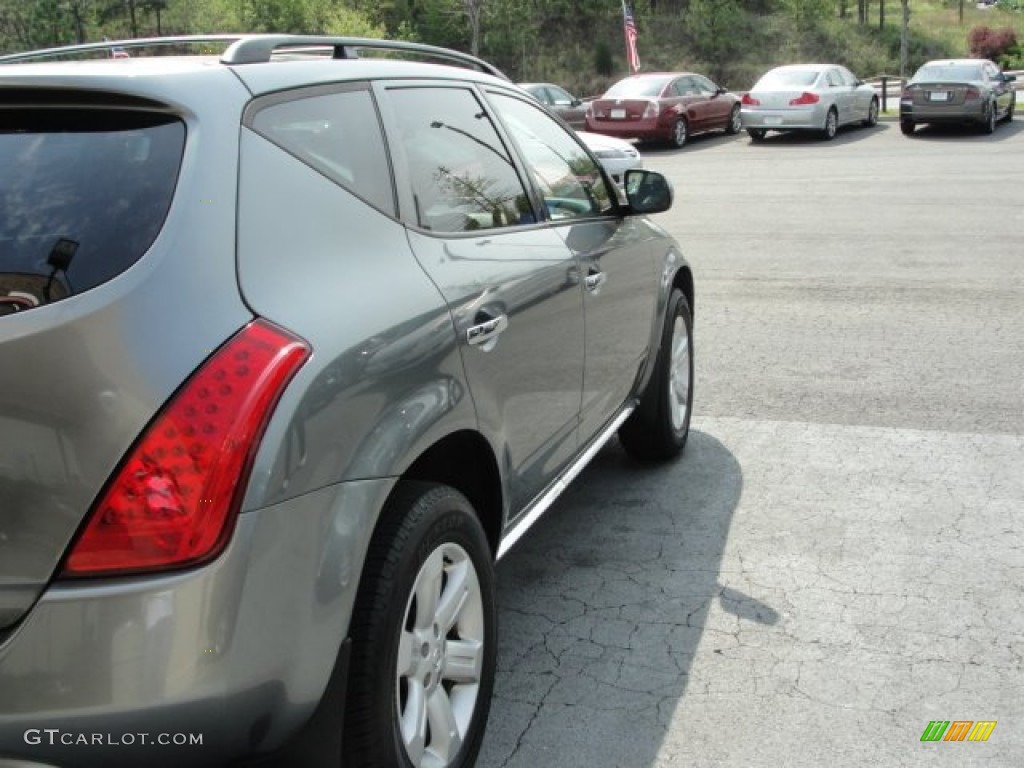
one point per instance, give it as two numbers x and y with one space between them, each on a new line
651 110
750 101
972 92
804 98
173 500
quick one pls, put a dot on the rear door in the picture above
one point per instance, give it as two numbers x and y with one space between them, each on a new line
842 95
511 283
717 107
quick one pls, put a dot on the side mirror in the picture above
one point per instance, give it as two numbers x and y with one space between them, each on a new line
575 103
647 191
1009 78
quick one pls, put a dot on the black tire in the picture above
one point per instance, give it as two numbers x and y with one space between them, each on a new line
831 128
989 126
735 121
872 118
658 428
907 127
756 134
1009 111
680 133
429 541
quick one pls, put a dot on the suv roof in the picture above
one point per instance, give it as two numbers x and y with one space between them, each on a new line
284 60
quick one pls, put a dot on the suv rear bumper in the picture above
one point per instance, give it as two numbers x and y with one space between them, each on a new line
193 668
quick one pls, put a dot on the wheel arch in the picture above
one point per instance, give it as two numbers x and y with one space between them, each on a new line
683 280
464 460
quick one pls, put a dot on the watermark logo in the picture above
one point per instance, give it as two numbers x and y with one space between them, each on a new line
958 730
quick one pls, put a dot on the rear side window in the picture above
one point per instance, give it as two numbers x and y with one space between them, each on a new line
339 135
83 194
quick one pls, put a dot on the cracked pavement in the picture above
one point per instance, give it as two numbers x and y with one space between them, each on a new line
838 558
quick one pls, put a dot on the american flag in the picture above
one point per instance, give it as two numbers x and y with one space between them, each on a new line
630 27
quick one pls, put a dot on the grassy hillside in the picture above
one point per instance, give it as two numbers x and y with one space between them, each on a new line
757 43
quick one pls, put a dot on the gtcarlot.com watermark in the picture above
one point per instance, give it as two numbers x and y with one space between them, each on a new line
55 736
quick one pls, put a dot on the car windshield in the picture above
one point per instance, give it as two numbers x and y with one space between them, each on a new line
637 87
948 73
783 78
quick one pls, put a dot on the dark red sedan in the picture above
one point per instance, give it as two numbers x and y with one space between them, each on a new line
664 106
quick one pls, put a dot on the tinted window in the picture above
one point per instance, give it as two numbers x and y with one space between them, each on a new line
939 73
560 97
637 87
463 177
83 194
569 180
339 135
684 86
704 85
781 78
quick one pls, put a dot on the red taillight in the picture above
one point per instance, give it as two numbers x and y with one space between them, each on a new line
750 101
804 98
651 110
173 500
972 93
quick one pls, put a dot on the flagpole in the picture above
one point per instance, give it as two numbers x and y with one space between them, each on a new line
629 31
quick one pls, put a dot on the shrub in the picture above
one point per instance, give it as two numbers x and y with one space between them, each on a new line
988 43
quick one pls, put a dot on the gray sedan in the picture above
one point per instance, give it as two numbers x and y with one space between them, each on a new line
559 101
808 97
957 91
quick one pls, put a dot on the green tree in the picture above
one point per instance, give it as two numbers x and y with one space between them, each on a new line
808 14
717 31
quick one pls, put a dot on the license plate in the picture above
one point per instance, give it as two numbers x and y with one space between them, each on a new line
618 114
938 96
773 121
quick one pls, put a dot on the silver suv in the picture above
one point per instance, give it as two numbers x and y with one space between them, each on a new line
297 337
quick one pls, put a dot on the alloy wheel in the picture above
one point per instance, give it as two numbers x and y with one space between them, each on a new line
440 658
679 374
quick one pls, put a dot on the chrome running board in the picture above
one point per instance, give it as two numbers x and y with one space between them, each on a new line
543 503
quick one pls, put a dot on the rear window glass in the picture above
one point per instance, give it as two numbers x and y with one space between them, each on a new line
788 77
83 194
637 87
946 73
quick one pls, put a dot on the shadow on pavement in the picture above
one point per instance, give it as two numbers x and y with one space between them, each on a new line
602 607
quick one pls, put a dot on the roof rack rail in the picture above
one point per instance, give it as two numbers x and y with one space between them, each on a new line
111 45
253 49
257 48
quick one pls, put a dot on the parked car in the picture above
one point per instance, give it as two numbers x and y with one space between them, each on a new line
559 101
664 106
972 91
616 155
300 344
808 97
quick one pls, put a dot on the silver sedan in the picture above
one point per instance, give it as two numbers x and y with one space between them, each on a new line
808 97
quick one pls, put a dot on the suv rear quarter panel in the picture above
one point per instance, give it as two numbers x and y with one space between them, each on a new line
80 378
385 380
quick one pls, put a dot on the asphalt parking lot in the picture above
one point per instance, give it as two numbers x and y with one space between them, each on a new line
838 559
